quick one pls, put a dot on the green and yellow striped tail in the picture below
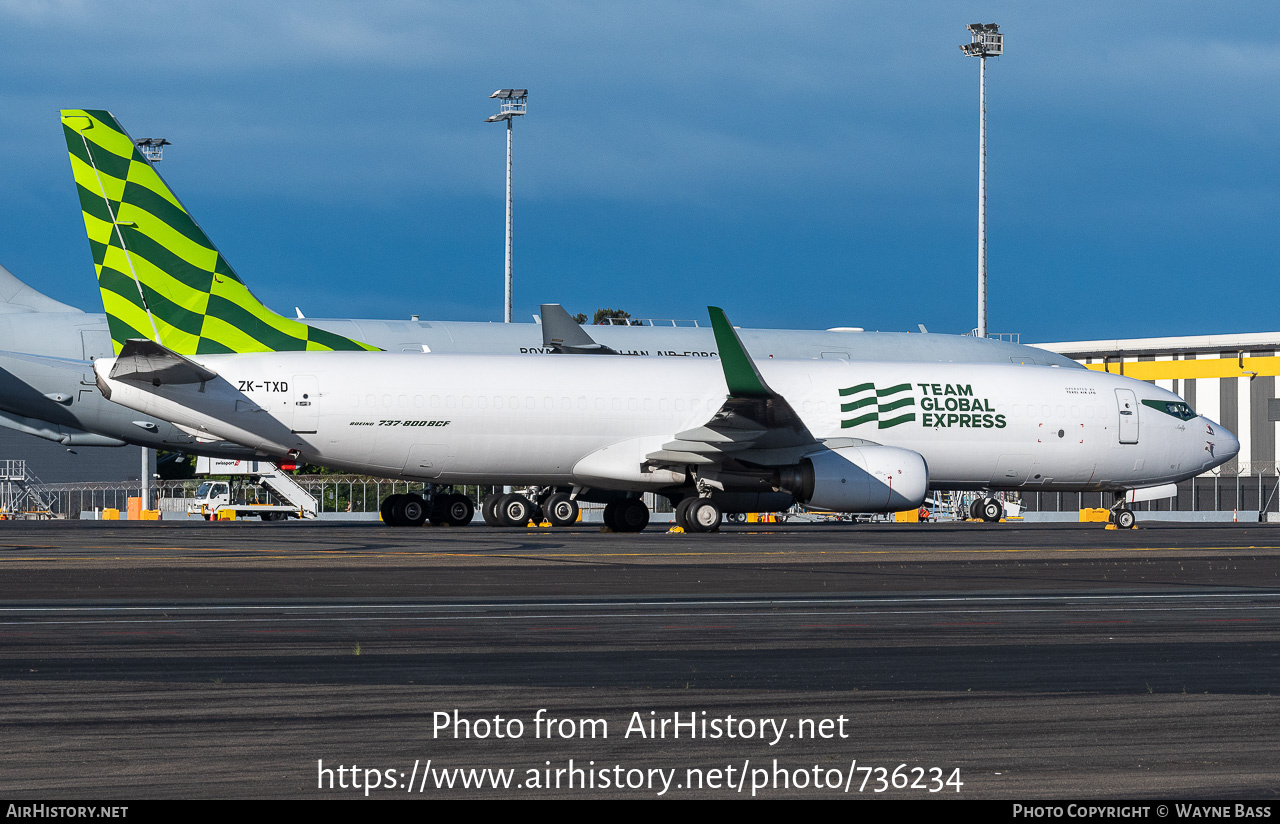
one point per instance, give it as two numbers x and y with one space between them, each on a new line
161 277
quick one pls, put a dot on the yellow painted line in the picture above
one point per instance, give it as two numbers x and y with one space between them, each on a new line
1190 369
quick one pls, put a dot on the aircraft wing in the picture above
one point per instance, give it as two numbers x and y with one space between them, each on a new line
755 424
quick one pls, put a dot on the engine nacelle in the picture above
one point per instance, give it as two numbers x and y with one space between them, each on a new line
868 478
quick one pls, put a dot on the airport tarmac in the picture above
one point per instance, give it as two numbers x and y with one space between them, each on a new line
244 660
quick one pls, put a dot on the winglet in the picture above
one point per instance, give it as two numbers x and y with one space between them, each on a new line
740 371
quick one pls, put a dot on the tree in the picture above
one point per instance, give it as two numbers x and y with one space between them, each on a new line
602 315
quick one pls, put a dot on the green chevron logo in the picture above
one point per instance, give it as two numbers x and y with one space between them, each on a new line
880 405
160 276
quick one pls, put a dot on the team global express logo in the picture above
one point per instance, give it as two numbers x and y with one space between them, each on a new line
942 406
871 404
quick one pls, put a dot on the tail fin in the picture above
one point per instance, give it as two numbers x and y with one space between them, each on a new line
161 277
17 297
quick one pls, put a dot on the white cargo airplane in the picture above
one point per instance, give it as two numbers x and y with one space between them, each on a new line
197 349
833 435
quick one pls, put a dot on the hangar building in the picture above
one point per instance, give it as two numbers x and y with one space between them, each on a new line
1228 378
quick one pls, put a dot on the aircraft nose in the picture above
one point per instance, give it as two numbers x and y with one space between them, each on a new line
1220 444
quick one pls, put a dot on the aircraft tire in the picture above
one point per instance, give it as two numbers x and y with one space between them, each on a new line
412 510
561 510
489 509
632 515
458 510
703 515
611 516
975 509
992 511
682 513
514 509
387 509
1125 519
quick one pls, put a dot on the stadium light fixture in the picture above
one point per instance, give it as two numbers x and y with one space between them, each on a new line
987 42
512 105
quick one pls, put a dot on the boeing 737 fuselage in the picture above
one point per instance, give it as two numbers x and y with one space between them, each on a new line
882 433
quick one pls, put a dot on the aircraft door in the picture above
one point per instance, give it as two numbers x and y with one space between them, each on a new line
305 392
1127 402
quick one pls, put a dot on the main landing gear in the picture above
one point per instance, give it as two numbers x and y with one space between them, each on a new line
516 509
628 515
986 509
698 515
413 509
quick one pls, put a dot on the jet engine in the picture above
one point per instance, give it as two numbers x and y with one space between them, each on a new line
868 478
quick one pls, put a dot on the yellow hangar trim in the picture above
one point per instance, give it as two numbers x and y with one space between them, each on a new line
1238 367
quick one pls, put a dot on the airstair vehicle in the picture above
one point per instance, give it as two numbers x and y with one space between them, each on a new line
255 488
22 495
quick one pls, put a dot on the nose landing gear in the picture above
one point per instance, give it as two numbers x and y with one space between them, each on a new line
1121 515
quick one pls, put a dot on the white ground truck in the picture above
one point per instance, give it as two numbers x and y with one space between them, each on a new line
256 488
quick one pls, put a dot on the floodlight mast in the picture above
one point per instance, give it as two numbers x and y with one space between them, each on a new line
152 148
987 42
512 106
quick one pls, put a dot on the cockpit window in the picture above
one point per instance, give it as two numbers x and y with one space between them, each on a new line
1178 409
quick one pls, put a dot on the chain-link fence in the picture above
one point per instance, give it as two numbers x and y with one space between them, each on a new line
334 494
1247 487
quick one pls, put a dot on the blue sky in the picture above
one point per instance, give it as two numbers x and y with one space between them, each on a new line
807 164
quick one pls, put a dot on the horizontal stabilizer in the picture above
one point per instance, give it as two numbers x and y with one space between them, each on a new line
562 334
144 361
